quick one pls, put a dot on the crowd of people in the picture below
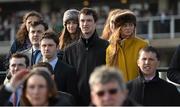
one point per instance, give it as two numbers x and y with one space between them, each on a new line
79 67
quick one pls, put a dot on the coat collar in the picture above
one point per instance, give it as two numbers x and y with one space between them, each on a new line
90 41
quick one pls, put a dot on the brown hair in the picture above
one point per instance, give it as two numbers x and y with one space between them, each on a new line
52 90
34 24
21 55
106 31
44 64
51 35
65 37
89 11
22 32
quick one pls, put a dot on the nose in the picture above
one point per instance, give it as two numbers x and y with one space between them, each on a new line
146 61
35 90
16 68
106 96
85 23
35 33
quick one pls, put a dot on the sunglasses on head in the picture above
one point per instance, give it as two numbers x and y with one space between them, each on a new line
110 91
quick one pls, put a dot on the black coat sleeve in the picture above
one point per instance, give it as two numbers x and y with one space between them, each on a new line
173 73
4 95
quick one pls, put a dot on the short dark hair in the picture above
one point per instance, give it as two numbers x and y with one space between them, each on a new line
44 64
51 35
21 55
151 49
36 23
89 11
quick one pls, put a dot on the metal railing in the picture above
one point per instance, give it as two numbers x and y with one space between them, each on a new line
157 27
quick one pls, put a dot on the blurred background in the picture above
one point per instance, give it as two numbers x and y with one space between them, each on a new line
158 20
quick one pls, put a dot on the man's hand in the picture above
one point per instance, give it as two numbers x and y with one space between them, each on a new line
18 78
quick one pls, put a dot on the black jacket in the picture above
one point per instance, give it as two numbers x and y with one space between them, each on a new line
154 92
4 96
85 55
173 73
66 78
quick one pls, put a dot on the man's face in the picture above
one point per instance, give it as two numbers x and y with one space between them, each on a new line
87 25
35 34
148 63
16 64
107 94
48 48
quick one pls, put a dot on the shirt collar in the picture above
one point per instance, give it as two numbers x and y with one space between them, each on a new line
53 62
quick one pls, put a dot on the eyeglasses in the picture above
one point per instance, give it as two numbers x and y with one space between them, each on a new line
110 91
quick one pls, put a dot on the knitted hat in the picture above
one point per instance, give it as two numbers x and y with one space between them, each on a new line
124 16
70 14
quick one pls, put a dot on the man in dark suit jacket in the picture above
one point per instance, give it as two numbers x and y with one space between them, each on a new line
64 74
35 33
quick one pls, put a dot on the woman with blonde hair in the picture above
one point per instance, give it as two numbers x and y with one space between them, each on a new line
71 30
125 45
109 25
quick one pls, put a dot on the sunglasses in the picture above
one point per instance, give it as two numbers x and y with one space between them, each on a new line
110 91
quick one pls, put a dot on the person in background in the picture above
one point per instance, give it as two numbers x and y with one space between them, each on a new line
17 62
109 25
148 89
71 30
87 53
108 88
40 90
22 41
125 45
36 31
173 73
64 75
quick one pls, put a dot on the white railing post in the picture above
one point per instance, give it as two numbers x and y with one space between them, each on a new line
12 33
150 29
172 28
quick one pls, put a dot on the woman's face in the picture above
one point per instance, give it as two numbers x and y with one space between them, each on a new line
71 26
37 90
127 30
30 20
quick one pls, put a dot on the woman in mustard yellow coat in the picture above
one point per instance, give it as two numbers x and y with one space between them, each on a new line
125 45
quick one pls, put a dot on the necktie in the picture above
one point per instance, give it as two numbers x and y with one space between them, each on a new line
14 99
35 54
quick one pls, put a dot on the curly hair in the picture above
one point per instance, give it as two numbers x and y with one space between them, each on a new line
22 33
106 31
